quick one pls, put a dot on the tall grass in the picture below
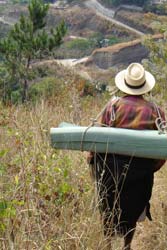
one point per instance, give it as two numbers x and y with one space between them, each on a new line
47 198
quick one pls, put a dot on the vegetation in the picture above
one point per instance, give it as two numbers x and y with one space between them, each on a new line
111 3
81 44
20 1
26 41
156 63
27 1
4 29
160 9
79 47
47 196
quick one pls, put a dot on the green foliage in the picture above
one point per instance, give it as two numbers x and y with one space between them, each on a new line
78 47
157 62
20 1
37 14
81 44
111 3
4 29
28 40
46 88
6 209
70 1
16 96
113 40
97 37
160 9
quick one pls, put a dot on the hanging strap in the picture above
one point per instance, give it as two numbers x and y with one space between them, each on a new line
94 121
159 122
112 116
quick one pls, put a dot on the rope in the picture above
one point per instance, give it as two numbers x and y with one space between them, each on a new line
94 121
102 111
159 122
83 136
161 125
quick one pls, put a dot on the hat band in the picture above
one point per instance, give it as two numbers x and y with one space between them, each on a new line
135 87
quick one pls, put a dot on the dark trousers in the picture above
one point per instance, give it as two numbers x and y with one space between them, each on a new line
124 187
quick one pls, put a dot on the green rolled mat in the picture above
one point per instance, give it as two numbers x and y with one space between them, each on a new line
140 143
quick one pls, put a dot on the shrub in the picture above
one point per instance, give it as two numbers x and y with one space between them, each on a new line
46 88
160 9
81 44
16 96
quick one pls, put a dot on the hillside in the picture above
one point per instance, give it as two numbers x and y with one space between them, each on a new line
87 31
48 198
106 46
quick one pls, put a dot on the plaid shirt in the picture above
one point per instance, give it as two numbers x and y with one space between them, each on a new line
131 112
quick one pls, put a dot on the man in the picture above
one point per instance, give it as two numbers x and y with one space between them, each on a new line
124 183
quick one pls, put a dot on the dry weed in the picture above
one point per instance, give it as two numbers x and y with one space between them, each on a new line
47 198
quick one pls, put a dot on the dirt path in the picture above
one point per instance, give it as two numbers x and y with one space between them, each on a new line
3 20
71 64
109 15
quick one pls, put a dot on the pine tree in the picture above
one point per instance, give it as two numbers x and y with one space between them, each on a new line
26 41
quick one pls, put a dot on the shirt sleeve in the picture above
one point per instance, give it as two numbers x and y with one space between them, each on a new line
108 116
104 120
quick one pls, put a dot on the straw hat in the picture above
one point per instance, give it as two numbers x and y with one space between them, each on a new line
135 80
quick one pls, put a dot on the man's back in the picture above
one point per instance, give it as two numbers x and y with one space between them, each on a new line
131 112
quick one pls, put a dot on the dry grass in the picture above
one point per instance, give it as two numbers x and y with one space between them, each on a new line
153 235
47 197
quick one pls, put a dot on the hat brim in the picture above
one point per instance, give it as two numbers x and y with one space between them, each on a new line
148 86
